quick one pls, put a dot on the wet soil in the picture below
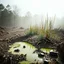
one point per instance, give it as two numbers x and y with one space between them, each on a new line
10 35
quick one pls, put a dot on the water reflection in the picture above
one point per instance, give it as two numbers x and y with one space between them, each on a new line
27 49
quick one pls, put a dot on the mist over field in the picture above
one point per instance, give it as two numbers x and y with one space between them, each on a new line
28 20
32 12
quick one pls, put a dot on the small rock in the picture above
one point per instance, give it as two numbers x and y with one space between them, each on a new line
24 46
17 50
53 54
41 55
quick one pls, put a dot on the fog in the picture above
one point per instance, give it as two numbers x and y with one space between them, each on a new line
34 12
40 20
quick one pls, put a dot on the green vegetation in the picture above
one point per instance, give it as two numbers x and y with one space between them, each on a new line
42 30
45 30
15 46
33 30
24 62
47 50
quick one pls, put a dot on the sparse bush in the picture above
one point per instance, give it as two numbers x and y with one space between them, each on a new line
46 30
43 30
33 30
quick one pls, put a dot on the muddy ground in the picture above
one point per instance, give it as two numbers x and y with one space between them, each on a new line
10 35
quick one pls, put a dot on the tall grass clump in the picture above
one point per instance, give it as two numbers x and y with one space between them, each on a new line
33 30
44 30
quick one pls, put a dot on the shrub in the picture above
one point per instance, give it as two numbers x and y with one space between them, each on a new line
42 30
33 30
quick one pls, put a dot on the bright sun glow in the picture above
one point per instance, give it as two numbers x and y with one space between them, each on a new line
50 7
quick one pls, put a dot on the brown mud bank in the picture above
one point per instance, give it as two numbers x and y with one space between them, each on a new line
10 35
7 37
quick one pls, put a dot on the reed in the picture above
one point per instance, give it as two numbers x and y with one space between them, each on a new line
45 30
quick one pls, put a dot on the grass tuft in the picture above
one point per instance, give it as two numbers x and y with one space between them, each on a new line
33 30
45 30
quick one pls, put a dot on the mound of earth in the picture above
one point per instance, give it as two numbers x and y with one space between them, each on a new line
3 31
60 49
14 35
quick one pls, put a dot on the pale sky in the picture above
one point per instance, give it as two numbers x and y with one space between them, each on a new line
50 7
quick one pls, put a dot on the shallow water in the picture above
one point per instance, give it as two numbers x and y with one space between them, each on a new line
29 49
26 48
46 50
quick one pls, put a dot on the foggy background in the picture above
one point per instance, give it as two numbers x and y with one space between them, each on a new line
23 13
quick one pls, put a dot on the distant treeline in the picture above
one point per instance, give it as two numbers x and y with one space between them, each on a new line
6 15
10 17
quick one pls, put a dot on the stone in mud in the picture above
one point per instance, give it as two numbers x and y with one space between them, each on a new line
17 50
53 54
41 55
46 62
24 46
21 28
